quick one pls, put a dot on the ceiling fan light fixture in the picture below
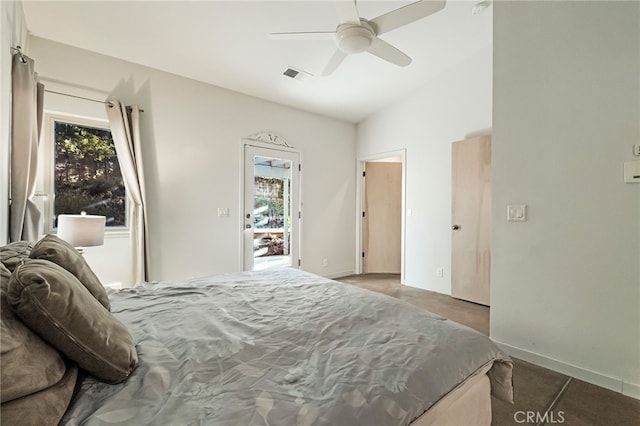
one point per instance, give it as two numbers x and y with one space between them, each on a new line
354 39
355 34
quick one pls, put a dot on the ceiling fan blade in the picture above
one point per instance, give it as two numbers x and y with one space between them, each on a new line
319 35
384 50
347 11
334 62
406 15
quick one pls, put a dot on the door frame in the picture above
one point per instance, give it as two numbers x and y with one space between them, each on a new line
241 203
402 153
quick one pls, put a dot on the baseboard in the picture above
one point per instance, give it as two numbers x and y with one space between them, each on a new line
335 275
631 389
611 383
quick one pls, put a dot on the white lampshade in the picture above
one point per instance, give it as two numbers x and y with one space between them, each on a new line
81 230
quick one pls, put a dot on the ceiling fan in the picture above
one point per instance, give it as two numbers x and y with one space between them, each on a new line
355 34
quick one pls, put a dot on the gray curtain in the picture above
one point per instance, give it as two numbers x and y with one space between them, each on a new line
125 129
26 120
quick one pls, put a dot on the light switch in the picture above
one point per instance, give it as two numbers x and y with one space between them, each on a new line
517 212
632 171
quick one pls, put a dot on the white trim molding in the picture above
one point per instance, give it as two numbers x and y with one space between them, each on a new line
336 275
269 137
611 383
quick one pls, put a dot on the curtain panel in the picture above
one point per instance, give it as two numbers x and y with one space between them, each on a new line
27 97
125 129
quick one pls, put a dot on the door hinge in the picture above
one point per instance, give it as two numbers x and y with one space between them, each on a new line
364 174
364 214
299 167
299 215
299 262
362 254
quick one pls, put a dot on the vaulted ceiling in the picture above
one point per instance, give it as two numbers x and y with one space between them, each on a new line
227 43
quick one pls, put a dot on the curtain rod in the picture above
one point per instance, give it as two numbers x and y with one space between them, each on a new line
18 50
82 97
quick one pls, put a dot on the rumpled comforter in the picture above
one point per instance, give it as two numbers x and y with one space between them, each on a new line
282 347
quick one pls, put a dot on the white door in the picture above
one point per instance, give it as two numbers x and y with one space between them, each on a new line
271 216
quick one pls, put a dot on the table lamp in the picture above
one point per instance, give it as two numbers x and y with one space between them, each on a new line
81 230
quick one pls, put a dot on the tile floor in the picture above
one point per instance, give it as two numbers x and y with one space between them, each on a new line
565 400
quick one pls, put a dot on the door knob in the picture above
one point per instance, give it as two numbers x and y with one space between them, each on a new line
455 227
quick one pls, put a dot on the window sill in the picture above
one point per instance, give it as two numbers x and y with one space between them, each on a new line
117 233
108 233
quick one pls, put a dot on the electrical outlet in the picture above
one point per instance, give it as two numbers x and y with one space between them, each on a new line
636 149
440 272
325 263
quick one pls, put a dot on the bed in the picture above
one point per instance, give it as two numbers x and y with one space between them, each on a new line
284 347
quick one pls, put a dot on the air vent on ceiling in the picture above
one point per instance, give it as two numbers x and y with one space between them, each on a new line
297 74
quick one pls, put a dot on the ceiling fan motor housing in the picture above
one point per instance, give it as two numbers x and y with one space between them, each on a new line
354 38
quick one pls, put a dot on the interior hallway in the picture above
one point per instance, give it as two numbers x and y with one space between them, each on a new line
569 401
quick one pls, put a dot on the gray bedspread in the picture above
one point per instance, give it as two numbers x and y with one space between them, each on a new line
282 347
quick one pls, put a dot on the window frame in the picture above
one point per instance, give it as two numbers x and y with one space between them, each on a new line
48 168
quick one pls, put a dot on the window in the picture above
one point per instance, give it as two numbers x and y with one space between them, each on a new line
86 174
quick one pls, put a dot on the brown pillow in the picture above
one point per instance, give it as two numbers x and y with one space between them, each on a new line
28 363
53 303
45 407
56 250
5 274
13 253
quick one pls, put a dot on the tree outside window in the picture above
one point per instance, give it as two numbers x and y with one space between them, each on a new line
87 174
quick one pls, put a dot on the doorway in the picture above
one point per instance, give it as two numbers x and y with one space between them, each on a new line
271 213
381 217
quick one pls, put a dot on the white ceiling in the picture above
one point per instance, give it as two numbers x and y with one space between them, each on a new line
226 43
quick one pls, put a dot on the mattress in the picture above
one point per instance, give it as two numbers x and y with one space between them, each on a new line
468 404
284 346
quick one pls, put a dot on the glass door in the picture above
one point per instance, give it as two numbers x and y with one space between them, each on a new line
271 208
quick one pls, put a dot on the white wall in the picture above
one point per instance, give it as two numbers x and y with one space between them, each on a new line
14 33
451 107
192 146
566 283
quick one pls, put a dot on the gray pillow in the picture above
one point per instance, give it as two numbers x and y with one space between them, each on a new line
28 363
45 407
13 253
58 251
53 303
